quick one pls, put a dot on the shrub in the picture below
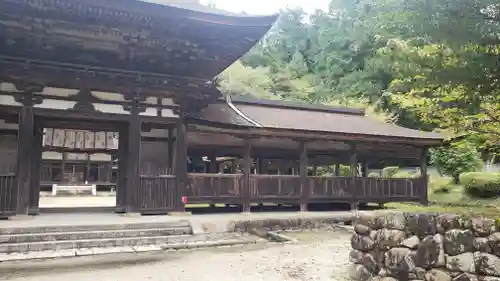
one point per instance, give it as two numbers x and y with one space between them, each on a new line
374 175
403 175
441 185
389 172
467 178
345 171
483 189
455 160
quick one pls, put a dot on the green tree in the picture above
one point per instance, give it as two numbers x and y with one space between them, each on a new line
455 160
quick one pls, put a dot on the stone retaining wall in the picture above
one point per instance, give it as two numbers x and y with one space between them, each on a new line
430 247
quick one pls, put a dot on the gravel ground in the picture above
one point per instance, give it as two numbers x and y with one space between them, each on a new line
321 255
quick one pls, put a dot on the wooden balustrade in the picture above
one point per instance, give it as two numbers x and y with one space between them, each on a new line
229 189
7 202
215 188
157 194
281 187
390 190
330 188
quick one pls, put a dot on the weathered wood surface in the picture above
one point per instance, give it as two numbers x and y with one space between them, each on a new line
229 188
203 188
157 194
7 202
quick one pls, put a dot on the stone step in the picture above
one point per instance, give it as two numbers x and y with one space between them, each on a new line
98 234
26 247
94 227
194 241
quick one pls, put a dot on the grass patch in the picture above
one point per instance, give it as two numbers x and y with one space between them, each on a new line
446 197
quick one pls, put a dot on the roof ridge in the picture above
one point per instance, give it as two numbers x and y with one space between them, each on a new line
298 106
240 113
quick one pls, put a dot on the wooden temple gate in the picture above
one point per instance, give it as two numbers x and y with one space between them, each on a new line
120 66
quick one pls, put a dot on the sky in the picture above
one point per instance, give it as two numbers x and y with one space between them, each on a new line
263 7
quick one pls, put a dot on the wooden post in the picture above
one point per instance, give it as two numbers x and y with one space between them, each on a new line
353 161
64 157
337 170
121 185
35 171
133 159
87 168
180 161
364 169
170 148
213 167
425 178
247 165
24 155
264 166
303 177
315 170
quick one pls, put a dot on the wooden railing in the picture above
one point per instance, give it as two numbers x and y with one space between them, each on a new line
330 188
282 187
394 190
7 201
157 194
229 189
215 188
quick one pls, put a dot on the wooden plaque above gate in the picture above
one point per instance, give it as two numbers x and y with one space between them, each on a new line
80 140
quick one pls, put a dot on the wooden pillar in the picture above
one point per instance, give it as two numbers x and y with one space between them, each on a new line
64 157
264 166
121 184
87 169
364 169
425 178
170 148
303 177
24 155
315 170
213 167
353 162
180 161
247 165
337 170
108 169
35 171
133 183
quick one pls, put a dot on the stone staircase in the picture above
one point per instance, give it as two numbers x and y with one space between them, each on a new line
69 241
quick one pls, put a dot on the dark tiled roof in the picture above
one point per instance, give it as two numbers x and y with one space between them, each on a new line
221 112
195 6
283 115
306 117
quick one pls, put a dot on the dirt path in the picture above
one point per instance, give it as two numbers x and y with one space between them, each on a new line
319 256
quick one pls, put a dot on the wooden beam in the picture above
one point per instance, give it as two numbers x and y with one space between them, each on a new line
121 185
133 159
354 168
170 149
303 176
24 155
63 164
425 178
35 171
247 166
181 161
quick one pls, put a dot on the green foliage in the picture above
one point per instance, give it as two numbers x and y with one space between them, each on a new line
423 64
479 177
405 175
345 171
483 189
373 175
455 160
389 172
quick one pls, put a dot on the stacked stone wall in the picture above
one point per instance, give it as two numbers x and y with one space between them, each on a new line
428 247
